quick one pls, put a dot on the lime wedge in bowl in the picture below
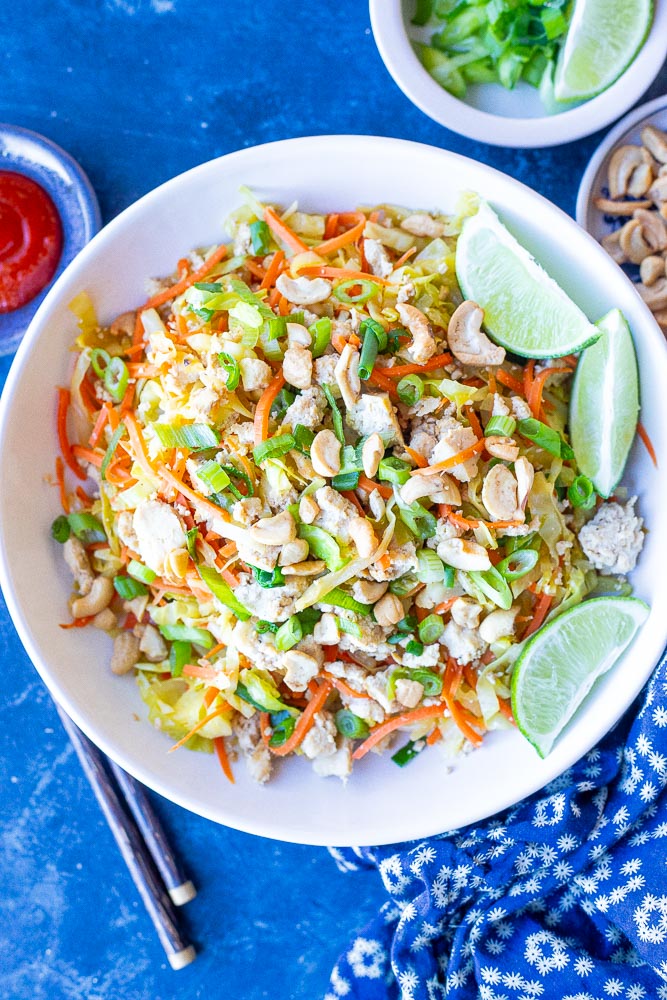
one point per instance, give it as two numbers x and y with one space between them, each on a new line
603 39
524 309
562 661
604 405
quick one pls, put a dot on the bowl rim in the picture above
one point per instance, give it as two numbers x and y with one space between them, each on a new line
613 138
392 40
216 811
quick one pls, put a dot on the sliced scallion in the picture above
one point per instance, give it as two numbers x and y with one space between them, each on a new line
544 437
494 586
231 367
410 389
322 545
500 427
346 481
224 593
335 413
450 576
303 438
350 628
339 598
320 331
393 470
282 727
517 564
431 568
582 493
116 377
414 648
99 361
180 653
289 633
120 432
187 633
268 578
273 448
430 629
213 475
86 527
191 542
192 436
408 752
350 725
235 473
344 291
260 236
129 588
140 572
60 529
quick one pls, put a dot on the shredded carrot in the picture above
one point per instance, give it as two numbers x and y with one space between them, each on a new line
200 725
226 551
60 478
331 226
462 718
221 752
264 405
94 457
406 256
343 686
453 675
404 719
473 420
79 622
382 382
283 231
139 370
468 523
100 424
118 476
399 371
324 271
508 380
229 577
470 675
339 341
306 720
418 459
440 609
256 271
283 306
353 498
248 468
540 613
368 485
84 499
138 445
506 709
648 444
336 242
534 399
491 378
450 463
195 498
433 737
203 673
273 270
210 696
528 379
128 398
218 648
65 447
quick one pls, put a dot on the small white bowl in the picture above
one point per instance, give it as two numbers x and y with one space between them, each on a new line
594 180
508 117
380 803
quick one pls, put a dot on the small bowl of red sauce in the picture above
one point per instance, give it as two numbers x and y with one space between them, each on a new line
48 212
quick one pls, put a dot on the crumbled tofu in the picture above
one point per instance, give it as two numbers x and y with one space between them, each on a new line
261 556
324 369
378 259
125 530
335 513
298 366
374 414
614 538
320 741
456 438
405 292
274 604
248 510
335 765
255 374
257 756
366 708
401 559
520 408
308 409
427 658
409 693
151 643
371 638
376 686
353 673
244 432
242 240
500 407
464 644
466 612
424 406
158 532
300 668
259 764
277 498
423 443
259 649
326 630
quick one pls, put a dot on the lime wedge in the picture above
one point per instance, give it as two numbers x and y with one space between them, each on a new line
524 309
562 661
605 403
603 39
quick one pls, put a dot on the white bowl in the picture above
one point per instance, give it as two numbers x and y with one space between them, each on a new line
502 117
628 130
380 803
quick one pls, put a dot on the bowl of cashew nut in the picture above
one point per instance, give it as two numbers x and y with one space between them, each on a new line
622 201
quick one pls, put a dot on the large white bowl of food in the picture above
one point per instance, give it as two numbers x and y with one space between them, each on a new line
309 463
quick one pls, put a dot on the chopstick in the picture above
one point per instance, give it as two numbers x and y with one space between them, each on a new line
132 847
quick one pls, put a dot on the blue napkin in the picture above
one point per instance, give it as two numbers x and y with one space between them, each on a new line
562 896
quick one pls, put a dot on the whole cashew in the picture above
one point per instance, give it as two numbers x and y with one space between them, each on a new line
277 530
98 597
388 610
77 560
125 653
303 291
467 342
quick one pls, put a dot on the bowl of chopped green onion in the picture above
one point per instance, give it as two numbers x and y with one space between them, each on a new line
521 73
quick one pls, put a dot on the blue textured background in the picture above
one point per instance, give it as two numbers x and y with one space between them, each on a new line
137 91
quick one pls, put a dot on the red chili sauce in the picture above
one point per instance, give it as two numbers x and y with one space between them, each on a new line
31 240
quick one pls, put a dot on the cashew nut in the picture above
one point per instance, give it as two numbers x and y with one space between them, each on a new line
610 207
388 610
123 325
643 235
363 536
312 567
499 494
294 552
326 632
525 474
502 447
377 505
303 291
466 612
125 653
298 367
371 452
498 624
612 245
277 530
654 296
423 344
467 342
630 172
378 259
325 454
347 375
176 563
463 553
308 509
151 643
77 559
441 488
298 335
98 597
658 190
651 268
105 620
421 224
368 591
655 141
409 693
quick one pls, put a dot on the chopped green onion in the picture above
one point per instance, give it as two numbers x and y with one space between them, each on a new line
450 576
243 693
303 437
339 598
322 545
517 564
320 331
420 521
395 338
404 584
374 339
367 325
264 626
414 647
213 475
235 473
283 400
86 527
408 752
407 624
429 680
128 588
191 542
350 628
309 619
116 377
335 413
544 437
430 629
273 448
393 470
346 481
97 355
260 235
231 366
179 654
209 286
60 529
431 568
368 290
519 542
192 436
582 493
140 572
500 426
224 593
187 633
350 725
289 633
494 586
268 578
282 727
410 389
120 432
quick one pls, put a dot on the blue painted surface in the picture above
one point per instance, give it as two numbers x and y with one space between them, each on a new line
137 91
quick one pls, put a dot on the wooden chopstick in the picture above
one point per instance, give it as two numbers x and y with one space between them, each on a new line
132 847
178 885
